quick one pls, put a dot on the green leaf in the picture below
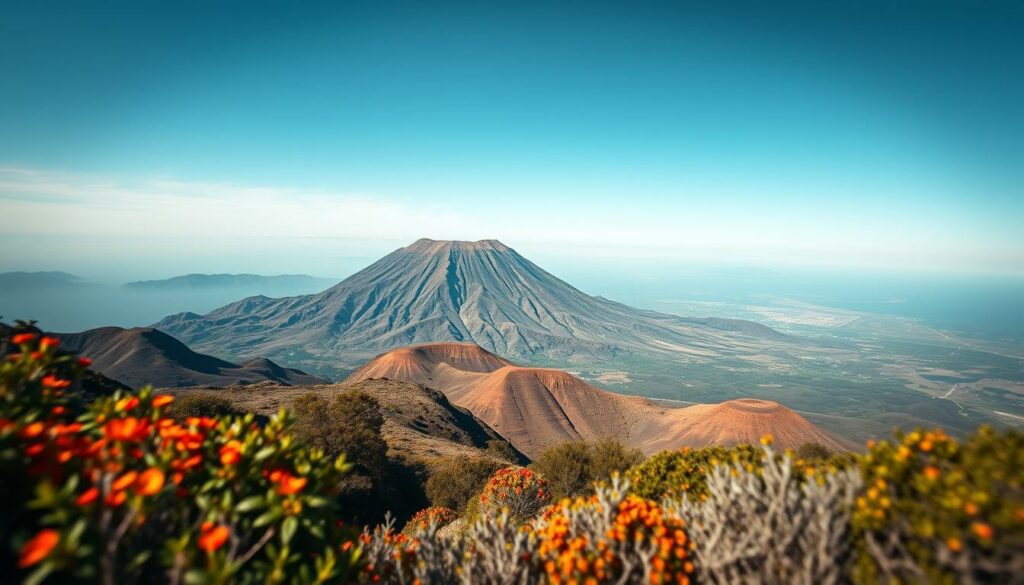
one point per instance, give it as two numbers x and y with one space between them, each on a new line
288 529
264 453
196 577
266 518
249 504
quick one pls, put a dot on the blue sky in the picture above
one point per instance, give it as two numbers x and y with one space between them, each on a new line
827 133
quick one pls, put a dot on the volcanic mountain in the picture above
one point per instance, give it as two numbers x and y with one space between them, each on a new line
481 292
537 407
145 355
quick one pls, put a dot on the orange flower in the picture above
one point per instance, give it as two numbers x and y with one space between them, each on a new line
51 381
22 338
124 481
125 429
38 547
954 544
984 531
88 496
289 484
230 453
48 342
931 472
33 430
162 400
767 439
150 482
212 537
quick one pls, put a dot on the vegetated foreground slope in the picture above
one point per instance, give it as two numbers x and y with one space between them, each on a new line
537 407
419 423
144 355
482 292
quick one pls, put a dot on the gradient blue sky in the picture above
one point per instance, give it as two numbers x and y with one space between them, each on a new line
272 138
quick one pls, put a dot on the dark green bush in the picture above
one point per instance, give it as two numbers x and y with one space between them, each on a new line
454 481
201 404
572 467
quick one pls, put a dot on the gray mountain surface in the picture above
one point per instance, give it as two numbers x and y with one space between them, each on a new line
482 292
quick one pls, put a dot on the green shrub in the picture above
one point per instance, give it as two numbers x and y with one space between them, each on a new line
118 492
572 467
566 467
684 471
455 481
935 510
201 404
502 450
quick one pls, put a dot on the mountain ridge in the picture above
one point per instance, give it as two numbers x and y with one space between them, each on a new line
144 355
439 290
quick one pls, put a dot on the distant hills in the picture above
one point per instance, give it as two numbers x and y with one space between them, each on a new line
144 355
537 407
289 282
481 292
66 302
25 281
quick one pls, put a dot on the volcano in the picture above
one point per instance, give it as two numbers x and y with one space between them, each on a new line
481 292
538 407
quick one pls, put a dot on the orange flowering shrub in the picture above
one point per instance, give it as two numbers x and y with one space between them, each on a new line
435 515
612 537
518 490
937 510
116 491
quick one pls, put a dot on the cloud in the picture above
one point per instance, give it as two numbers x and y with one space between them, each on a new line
174 212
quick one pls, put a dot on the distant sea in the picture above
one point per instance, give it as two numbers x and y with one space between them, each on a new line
982 307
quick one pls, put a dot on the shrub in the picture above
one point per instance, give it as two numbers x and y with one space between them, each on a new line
201 404
434 515
770 525
609 538
516 490
612 537
684 471
937 511
609 457
502 450
813 451
572 467
350 423
566 466
120 492
455 481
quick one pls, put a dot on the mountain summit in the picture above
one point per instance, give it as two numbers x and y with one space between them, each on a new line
482 292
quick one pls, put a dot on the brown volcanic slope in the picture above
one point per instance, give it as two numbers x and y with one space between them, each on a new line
144 355
482 292
537 407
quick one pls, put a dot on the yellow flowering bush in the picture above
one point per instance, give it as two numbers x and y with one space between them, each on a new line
940 511
116 491
684 471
